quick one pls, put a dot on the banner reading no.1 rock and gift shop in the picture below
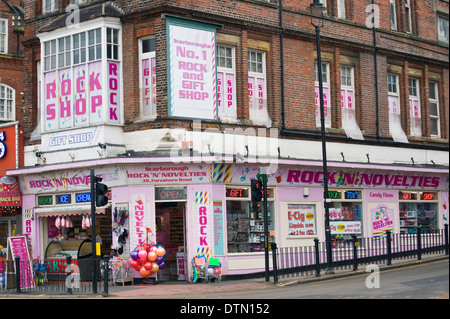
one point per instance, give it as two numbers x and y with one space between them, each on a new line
192 72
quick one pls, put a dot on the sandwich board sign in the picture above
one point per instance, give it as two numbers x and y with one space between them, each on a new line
18 247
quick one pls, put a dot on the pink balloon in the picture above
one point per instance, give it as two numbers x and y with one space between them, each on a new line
153 248
142 255
152 256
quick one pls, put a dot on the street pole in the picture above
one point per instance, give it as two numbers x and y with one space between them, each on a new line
94 248
266 226
324 157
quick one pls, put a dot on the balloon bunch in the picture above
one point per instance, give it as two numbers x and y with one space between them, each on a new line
148 259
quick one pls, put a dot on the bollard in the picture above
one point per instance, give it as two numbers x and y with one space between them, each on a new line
106 275
69 274
389 248
355 253
316 245
17 260
419 243
275 267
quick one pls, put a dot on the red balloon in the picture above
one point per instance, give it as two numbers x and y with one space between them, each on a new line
134 264
148 265
146 247
217 271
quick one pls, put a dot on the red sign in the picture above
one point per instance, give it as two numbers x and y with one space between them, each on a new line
11 154
10 194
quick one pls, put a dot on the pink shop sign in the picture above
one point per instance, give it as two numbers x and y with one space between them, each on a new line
167 174
299 176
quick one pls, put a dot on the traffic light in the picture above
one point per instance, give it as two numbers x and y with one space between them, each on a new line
100 193
257 190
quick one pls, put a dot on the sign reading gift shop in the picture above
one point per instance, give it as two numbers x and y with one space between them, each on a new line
192 69
84 95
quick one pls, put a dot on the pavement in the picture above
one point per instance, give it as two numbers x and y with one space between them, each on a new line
173 290
186 290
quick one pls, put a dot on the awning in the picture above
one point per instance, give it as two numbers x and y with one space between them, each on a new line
68 211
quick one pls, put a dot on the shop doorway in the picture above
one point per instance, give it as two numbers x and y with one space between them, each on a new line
170 232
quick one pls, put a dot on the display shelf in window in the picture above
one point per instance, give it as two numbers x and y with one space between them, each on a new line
418 209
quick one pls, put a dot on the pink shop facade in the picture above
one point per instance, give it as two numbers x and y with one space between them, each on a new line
205 208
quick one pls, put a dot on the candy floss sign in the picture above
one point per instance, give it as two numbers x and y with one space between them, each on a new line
139 221
81 96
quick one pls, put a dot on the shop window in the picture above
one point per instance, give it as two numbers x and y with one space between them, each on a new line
245 220
346 213
147 70
326 93
418 209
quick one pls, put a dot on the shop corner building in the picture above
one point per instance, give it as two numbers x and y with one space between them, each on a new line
178 106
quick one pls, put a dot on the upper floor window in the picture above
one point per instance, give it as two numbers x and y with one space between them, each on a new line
348 106
434 109
147 70
7 103
393 14
49 5
414 107
3 36
226 82
341 9
78 1
408 16
326 93
395 127
257 88
443 29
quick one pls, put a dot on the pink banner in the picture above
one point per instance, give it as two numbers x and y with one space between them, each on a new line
50 101
149 87
95 93
113 92
81 103
65 98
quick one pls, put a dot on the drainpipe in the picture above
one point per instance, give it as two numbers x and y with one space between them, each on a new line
376 72
283 127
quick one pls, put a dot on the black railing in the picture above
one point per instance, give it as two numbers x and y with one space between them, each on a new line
310 260
69 276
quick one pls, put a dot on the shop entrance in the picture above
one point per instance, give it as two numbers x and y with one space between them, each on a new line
170 232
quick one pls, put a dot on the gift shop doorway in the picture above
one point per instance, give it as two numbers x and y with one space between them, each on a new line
170 232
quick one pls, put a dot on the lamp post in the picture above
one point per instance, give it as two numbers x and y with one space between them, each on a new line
316 10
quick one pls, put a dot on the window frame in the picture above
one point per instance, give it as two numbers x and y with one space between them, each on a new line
341 9
11 114
260 115
436 101
143 56
445 18
49 6
408 16
5 35
393 15
226 70
326 85
414 96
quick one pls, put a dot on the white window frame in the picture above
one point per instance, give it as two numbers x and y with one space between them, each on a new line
152 113
442 34
259 116
78 1
414 96
435 100
7 94
4 36
325 85
49 5
408 16
341 8
225 114
393 14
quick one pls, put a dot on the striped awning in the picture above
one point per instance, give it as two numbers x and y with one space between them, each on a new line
68 211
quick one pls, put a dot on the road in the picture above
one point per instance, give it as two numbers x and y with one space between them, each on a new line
424 281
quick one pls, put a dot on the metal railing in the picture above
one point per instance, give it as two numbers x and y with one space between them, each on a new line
56 276
310 260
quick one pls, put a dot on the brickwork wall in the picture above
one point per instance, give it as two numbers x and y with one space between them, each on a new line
259 20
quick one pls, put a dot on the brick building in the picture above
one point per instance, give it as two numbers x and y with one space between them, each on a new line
177 104
11 91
